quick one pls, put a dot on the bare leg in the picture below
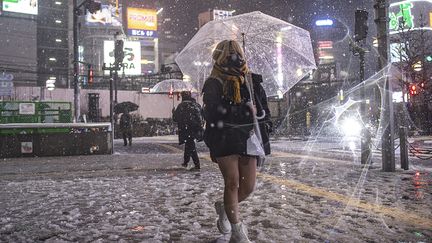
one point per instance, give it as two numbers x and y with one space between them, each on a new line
247 176
229 167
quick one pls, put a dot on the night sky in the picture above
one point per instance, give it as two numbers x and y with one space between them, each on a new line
184 13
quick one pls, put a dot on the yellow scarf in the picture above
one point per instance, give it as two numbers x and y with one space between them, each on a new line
232 78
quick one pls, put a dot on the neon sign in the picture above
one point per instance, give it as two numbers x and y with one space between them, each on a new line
410 15
403 17
324 22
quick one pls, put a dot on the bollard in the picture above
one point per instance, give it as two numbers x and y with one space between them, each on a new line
403 148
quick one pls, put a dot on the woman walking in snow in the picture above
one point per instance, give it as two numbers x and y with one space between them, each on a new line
229 122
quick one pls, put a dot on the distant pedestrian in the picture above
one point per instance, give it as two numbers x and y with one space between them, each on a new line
229 119
189 120
126 128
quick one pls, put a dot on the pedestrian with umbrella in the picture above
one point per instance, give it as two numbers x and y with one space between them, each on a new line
229 122
126 127
126 120
279 51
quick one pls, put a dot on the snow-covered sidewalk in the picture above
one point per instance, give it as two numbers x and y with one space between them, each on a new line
148 197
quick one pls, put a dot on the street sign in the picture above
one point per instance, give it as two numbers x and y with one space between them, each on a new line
6 84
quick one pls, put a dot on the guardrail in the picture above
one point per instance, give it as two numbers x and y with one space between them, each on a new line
54 139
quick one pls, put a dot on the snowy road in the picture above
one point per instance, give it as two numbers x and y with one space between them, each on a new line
141 194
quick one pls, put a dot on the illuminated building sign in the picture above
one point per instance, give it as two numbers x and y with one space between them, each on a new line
430 19
21 6
109 15
132 57
221 14
402 19
325 45
410 15
324 22
142 22
325 52
398 52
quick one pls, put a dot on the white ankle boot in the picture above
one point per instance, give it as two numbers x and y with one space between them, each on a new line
223 225
239 234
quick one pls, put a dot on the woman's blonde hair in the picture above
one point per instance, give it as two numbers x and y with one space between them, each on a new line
233 76
224 49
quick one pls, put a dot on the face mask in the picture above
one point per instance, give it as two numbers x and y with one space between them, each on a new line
235 60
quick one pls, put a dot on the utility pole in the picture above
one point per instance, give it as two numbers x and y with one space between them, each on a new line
387 140
75 61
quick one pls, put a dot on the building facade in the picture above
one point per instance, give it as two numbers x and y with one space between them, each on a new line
18 49
53 43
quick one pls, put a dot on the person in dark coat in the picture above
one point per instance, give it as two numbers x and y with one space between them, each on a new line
188 117
263 112
126 128
229 123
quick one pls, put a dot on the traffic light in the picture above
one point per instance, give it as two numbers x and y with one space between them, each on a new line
422 84
90 76
413 90
361 26
93 6
118 52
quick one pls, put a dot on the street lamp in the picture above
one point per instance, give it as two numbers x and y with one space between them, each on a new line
92 7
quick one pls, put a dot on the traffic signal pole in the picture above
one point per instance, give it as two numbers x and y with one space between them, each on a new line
92 6
118 60
366 136
111 69
387 140
361 29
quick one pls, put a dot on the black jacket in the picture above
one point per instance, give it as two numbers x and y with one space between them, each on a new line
189 121
126 122
265 124
228 125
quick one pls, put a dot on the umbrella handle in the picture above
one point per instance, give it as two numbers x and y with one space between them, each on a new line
262 116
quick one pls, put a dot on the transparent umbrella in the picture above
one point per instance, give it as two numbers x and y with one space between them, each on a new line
174 85
279 51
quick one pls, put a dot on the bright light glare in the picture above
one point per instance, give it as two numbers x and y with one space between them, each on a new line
186 78
351 127
398 97
352 145
280 94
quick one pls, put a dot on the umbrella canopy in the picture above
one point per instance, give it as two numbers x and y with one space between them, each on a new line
125 106
279 51
176 85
